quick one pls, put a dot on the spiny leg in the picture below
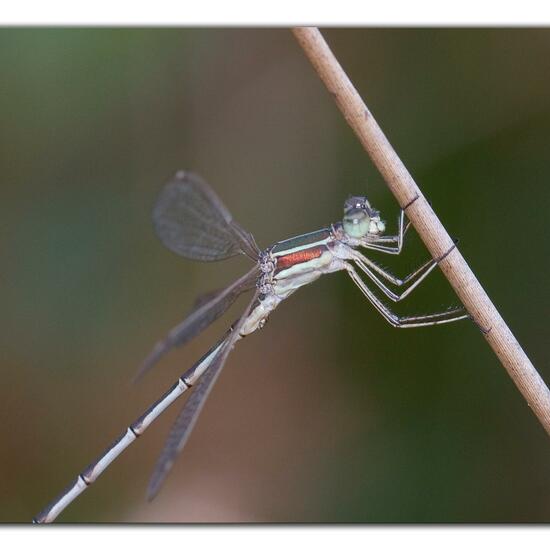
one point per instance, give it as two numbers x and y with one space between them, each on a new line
368 266
388 292
449 316
360 258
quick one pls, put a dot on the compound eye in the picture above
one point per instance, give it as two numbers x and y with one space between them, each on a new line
356 223
354 203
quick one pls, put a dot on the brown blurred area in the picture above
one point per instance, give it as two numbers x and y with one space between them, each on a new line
328 414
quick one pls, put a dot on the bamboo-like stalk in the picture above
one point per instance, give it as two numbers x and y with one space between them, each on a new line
426 223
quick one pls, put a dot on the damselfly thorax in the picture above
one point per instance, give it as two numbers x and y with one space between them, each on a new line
290 264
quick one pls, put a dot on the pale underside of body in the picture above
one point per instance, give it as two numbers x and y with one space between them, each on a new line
192 222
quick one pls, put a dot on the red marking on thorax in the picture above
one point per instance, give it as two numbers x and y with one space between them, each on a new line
300 257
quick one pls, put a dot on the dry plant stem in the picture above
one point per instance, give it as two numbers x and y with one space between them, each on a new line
427 224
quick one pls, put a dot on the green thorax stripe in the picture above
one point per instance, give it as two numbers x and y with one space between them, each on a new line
301 241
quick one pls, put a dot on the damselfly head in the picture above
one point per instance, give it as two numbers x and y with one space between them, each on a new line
360 219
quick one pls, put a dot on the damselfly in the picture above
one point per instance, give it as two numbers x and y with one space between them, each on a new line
192 221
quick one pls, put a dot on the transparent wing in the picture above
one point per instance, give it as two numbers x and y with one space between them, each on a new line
187 418
184 424
192 221
199 319
205 298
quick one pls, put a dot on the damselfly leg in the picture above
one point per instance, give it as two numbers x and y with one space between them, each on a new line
368 267
449 316
380 242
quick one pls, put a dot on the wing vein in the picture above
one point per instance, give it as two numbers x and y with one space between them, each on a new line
187 418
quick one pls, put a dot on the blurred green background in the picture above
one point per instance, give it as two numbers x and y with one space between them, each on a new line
329 414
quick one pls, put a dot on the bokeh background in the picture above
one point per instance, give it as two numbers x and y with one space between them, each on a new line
329 414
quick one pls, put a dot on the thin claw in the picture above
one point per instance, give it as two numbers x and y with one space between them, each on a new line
441 258
483 330
411 202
